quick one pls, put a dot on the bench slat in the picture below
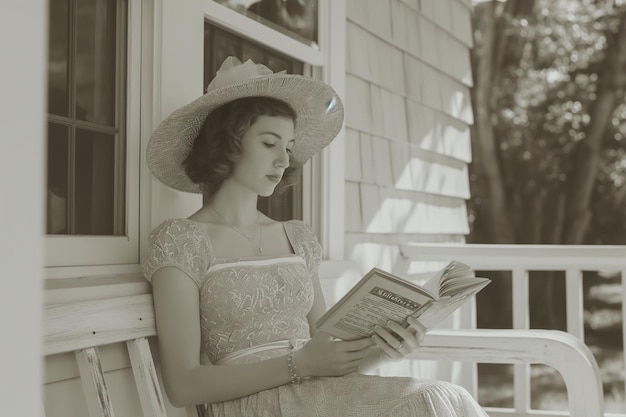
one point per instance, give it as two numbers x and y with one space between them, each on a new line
92 378
71 327
146 378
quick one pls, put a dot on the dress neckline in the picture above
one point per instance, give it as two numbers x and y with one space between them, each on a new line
216 260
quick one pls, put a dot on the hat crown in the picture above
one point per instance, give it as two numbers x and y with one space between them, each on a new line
233 71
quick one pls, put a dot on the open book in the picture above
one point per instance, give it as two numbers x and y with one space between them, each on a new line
381 296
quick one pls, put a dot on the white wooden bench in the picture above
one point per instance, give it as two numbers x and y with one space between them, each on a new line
84 326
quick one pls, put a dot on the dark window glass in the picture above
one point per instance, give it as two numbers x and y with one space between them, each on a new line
295 18
86 107
95 183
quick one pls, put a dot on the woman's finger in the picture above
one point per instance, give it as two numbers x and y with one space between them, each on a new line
354 345
387 337
410 340
419 328
390 352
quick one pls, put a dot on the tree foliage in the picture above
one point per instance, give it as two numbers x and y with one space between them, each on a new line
549 140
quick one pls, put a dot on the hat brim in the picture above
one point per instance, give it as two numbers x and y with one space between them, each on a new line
319 119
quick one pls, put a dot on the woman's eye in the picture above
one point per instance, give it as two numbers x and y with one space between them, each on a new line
268 145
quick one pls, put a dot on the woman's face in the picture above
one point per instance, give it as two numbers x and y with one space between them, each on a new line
265 150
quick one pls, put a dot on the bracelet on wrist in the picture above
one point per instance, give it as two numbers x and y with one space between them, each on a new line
294 373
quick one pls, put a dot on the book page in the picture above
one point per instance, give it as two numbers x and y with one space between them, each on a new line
439 309
377 300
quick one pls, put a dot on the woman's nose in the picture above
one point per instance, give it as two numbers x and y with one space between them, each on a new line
282 161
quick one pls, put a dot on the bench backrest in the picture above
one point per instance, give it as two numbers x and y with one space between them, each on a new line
82 327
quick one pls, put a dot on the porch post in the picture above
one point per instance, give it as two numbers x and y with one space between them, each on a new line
23 48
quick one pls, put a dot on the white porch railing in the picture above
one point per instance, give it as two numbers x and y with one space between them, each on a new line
519 260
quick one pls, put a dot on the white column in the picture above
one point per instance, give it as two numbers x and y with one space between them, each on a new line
178 77
23 48
333 157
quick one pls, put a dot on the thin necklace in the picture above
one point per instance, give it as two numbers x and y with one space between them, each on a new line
250 238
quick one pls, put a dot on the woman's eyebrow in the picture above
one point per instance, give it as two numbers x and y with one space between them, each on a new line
276 135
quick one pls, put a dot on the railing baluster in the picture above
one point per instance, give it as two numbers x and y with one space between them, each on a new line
574 303
521 320
623 276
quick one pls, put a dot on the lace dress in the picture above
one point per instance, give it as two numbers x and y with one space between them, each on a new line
256 308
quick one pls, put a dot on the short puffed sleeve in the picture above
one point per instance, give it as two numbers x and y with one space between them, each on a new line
306 244
178 243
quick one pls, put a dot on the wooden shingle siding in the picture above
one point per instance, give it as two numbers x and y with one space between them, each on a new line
400 154
357 56
413 67
408 117
394 211
353 155
455 99
428 41
431 85
381 161
455 59
354 222
374 15
442 14
405 29
358 107
462 22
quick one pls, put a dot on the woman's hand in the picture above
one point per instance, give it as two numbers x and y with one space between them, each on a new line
323 356
394 348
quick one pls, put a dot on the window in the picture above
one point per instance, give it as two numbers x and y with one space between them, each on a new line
295 18
87 194
220 44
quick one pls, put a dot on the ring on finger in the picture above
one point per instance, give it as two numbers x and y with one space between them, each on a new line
399 347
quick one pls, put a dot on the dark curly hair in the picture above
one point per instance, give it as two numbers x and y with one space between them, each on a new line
218 146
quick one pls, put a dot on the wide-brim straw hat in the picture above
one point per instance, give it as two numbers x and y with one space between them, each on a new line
318 107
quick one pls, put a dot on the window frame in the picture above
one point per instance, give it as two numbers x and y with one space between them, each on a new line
69 251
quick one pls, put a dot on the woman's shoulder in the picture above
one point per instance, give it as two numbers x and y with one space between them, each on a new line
180 243
298 225
177 228
180 234
300 230
305 242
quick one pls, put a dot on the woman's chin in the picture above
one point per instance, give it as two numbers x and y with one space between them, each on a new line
267 192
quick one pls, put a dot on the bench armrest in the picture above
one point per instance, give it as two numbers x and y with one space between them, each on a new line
560 350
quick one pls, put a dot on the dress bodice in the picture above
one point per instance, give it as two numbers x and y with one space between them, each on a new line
249 303
244 302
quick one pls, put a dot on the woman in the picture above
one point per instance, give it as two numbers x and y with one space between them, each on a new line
236 293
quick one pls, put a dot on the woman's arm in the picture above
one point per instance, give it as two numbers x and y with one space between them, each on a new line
319 304
186 380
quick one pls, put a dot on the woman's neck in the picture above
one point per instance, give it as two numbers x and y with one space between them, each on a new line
235 205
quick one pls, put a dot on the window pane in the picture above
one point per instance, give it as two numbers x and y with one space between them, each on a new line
95 61
58 179
295 18
273 62
95 184
58 94
86 177
223 45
